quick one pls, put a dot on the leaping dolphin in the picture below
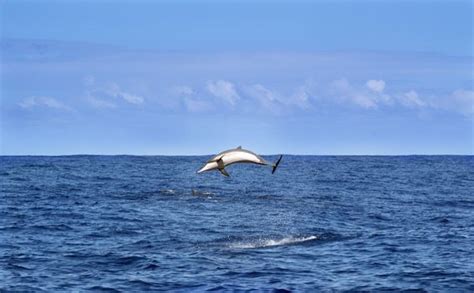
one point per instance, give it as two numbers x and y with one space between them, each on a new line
237 155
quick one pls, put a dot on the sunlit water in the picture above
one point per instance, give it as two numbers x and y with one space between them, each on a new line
130 223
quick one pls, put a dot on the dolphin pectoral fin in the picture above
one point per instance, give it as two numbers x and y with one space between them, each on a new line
275 166
220 164
224 172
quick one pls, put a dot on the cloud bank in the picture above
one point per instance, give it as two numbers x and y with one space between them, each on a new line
346 100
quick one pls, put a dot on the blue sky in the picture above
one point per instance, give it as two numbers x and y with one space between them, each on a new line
313 77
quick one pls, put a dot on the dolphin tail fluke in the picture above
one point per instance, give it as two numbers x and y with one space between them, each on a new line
275 166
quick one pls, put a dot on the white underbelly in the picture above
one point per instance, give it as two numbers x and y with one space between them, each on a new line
236 157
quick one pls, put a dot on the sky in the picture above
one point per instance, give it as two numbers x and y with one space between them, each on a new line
186 78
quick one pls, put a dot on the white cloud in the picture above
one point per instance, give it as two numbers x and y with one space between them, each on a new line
369 97
186 96
364 100
196 105
183 90
301 98
114 90
28 103
133 99
344 92
267 99
102 96
276 102
224 90
303 95
376 86
99 103
341 85
411 100
461 101
47 102
263 94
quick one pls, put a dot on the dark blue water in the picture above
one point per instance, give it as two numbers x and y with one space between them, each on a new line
131 223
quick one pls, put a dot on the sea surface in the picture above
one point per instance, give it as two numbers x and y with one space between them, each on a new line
320 223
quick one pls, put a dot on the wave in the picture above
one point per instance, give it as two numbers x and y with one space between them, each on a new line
269 242
51 227
196 192
103 289
103 178
167 191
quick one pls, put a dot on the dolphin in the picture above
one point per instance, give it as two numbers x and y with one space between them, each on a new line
237 155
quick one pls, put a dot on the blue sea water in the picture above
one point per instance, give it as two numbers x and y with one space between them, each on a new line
320 223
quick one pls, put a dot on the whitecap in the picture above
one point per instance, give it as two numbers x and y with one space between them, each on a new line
269 242
168 191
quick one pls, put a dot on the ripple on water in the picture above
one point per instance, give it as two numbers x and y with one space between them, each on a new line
128 224
99 288
255 242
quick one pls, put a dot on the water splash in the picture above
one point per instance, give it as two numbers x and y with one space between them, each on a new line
270 242
167 191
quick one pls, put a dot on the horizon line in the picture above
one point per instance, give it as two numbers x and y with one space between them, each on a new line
202 155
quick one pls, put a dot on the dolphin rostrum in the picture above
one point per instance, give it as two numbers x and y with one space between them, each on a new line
237 155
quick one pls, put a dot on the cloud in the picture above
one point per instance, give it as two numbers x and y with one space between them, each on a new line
99 103
376 86
104 95
113 89
47 102
369 97
263 94
304 95
196 105
411 100
224 90
132 99
301 98
275 101
341 85
277 72
266 98
345 93
364 100
465 98
186 96
182 90
461 101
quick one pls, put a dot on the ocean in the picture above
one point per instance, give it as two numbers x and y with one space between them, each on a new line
320 223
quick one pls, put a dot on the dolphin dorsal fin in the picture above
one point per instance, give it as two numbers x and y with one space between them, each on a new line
239 147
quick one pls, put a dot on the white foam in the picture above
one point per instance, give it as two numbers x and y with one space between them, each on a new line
260 243
168 191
